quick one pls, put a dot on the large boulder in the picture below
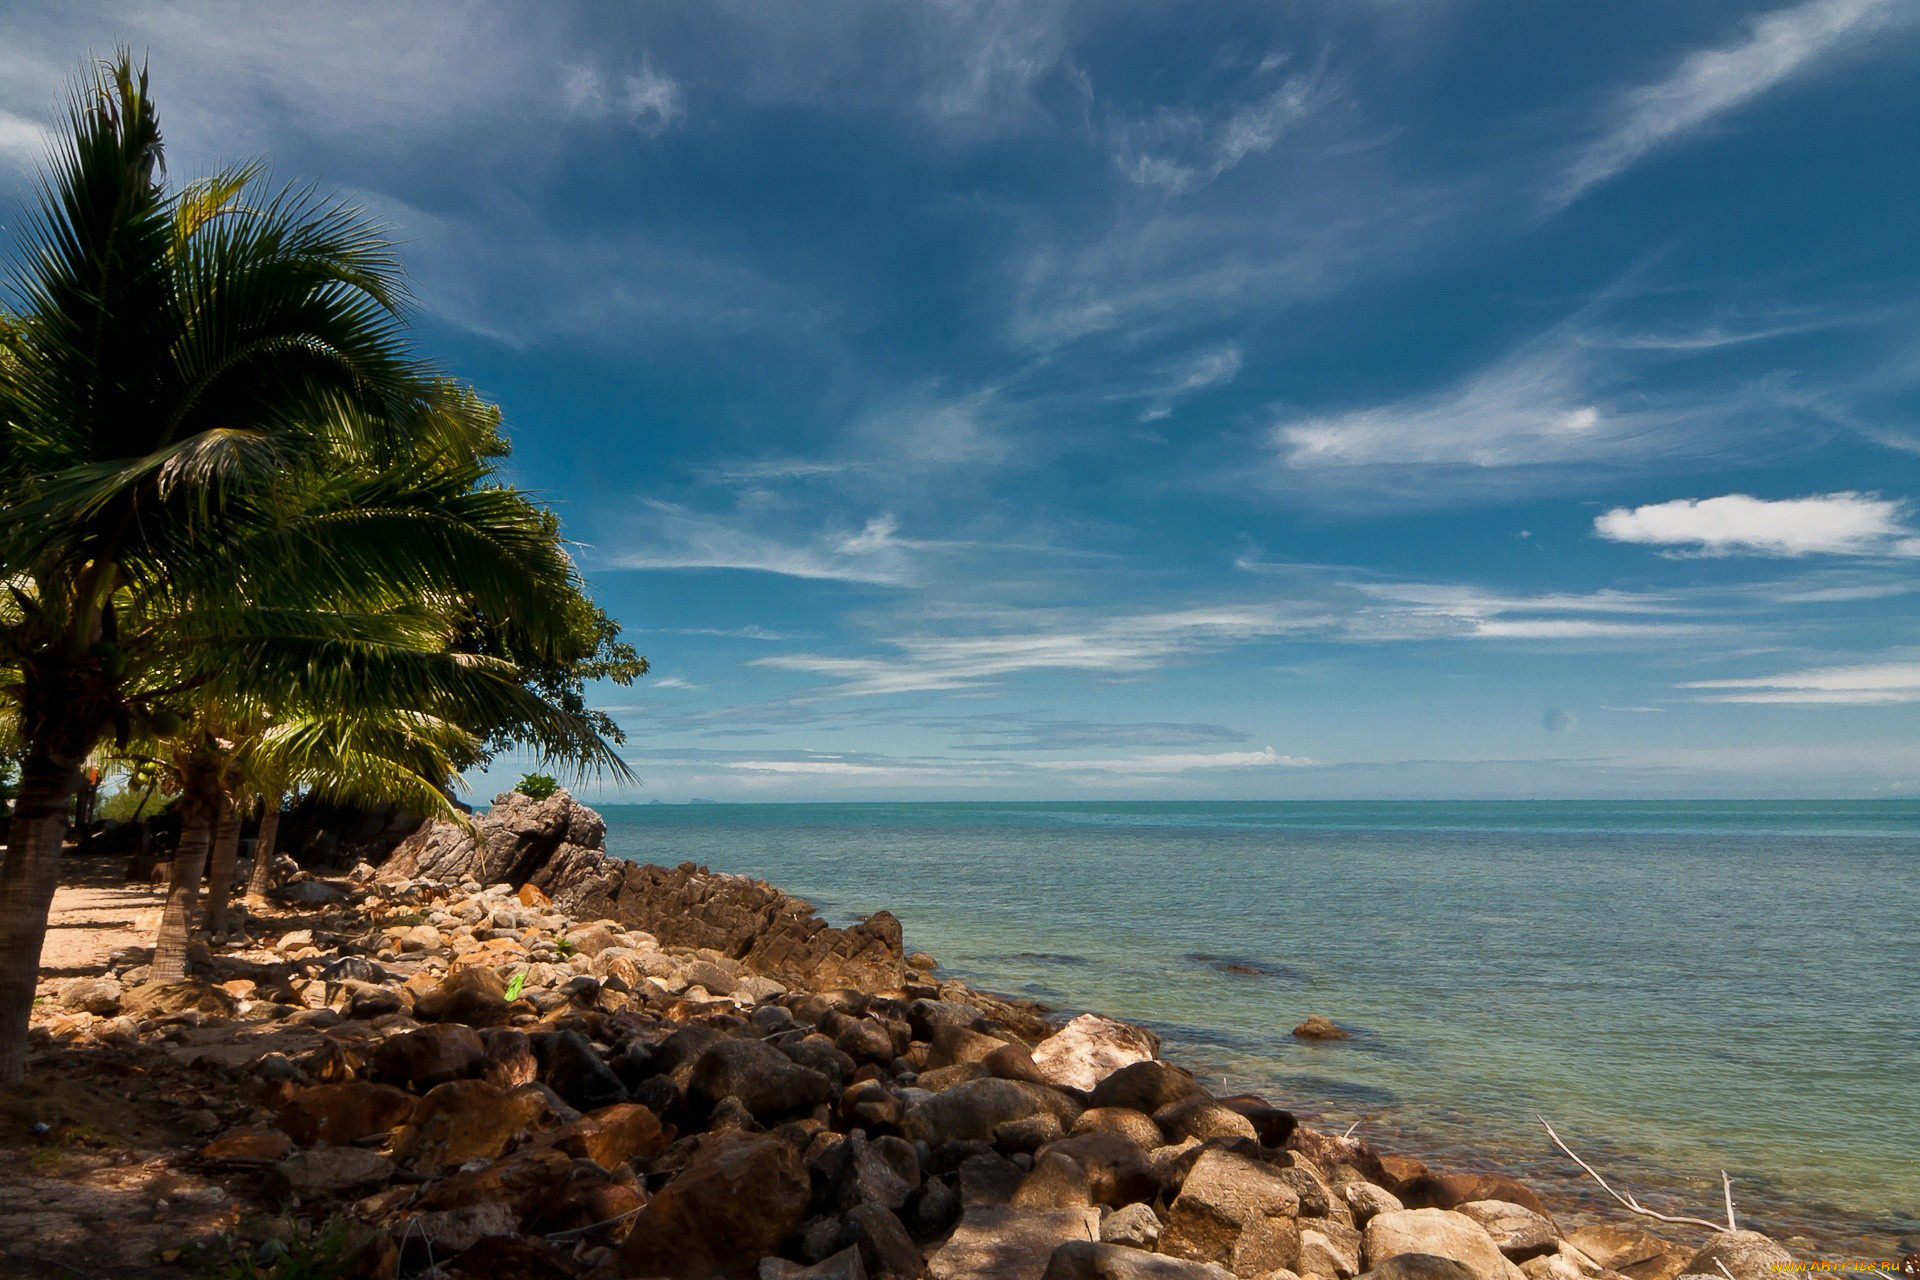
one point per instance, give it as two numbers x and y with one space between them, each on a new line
1118 1172
1144 1087
1096 1260
337 1114
1005 1243
1519 1231
1234 1210
515 839
430 1056
767 1082
466 1120
1090 1048
1744 1255
1441 1233
741 1195
976 1111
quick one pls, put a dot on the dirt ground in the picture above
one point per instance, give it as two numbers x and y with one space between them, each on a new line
96 1175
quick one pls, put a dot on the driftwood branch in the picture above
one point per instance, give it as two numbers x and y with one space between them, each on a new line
1634 1206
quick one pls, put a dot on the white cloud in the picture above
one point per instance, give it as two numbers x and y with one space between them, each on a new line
1534 406
648 99
1871 684
1711 82
23 144
1181 763
672 682
1180 150
674 537
1829 524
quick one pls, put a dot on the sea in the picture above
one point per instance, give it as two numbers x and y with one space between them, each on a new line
1679 988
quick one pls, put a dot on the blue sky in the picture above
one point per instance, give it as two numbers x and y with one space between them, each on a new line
1340 398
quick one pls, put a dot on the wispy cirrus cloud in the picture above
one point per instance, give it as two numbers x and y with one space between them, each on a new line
1180 762
1866 684
668 536
1827 524
1709 83
1181 150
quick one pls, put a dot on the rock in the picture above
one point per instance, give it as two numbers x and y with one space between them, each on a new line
457 1230
430 1056
329 1171
509 1059
1135 1225
767 1083
1328 1250
975 1110
884 1245
337 1114
471 994
1439 1232
159 1000
951 1044
527 1180
883 1171
1004 1243
99 996
1365 1200
1745 1255
1201 1117
574 1069
1418 1266
1234 1210
989 1179
1054 1182
613 1136
421 937
740 1196
1136 1128
465 1120
1100 1260
311 893
511 843
1271 1125
1144 1086
1630 1251
844 1265
250 1146
1519 1231
1117 1172
1449 1190
1090 1048
529 896
1554 1266
1318 1028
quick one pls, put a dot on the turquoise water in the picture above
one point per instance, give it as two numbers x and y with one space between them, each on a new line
1679 987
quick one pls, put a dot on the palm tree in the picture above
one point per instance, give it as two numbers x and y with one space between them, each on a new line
181 372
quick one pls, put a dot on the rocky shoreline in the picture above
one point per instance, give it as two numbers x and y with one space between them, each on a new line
504 1053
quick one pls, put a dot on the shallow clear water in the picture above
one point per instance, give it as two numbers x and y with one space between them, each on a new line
1679 987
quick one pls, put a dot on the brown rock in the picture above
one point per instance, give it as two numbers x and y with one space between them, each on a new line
1319 1028
613 1135
1201 1117
470 994
250 1146
337 1114
1005 1243
1144 1086
741 1195
430 1056
1234 1210
1118 1172
1450 1190
531 896
159 1000
1138 1129
329 1171
509 1060
526 1180
508 1258
1744 1255
465 1120
1438 1232
1099 1260
1054 1182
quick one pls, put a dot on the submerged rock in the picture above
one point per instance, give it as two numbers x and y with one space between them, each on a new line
1317 1027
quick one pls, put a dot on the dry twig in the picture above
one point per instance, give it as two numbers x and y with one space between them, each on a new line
1634 1206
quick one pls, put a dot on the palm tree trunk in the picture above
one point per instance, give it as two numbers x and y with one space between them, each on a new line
263 849
200 807
226 847
27 881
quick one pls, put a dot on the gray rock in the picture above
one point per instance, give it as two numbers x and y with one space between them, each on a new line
1519 1231
1366 1201
883 1243
330 1171
1090 1048
1419 1266
1094 1260
767 1083
91 995
844 1265
1328 1250
1136 1226
971 1112
1234 1210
